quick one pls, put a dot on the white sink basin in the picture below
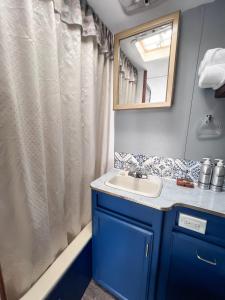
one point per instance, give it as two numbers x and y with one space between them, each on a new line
150 187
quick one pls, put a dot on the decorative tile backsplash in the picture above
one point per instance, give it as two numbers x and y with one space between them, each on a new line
160 166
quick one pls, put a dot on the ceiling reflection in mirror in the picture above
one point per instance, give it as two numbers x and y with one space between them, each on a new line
144 65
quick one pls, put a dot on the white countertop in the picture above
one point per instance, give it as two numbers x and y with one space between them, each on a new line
171 195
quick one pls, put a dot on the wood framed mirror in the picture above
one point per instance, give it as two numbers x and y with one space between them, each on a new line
145 63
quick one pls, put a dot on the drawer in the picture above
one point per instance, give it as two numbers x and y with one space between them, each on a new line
126 208
215 226
197 269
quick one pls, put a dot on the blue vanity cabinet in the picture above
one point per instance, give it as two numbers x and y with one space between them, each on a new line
122 256
192 264
197 269
126 240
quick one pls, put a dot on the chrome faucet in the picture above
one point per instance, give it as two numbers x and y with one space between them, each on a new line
138 172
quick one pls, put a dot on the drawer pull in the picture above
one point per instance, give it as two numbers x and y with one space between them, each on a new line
146 250
213 263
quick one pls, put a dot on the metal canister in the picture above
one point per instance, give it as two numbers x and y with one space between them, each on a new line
205 174
218 176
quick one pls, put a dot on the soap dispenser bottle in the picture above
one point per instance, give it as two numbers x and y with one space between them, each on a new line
205 174
217 181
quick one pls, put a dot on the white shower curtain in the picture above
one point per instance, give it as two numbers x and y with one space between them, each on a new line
127 81
55 93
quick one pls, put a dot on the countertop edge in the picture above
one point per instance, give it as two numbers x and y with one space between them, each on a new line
160 208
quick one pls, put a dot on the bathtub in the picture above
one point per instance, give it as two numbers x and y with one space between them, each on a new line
69 275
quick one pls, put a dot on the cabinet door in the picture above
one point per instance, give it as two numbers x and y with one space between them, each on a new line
121 256
197 270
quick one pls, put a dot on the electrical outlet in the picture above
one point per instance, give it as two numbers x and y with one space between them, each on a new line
192 223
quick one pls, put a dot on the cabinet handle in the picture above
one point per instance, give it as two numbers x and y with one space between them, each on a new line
213 263
146 250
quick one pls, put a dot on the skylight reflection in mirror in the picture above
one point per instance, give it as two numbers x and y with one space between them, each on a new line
155 43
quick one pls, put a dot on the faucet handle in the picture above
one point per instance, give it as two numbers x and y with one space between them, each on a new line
141 172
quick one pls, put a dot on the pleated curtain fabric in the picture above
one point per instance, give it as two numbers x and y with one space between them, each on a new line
127 80
56 125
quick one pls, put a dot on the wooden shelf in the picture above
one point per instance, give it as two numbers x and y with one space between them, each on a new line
220 93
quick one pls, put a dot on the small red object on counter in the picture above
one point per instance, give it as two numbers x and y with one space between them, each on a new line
185 183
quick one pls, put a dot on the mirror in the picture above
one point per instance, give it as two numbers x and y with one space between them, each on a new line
144 64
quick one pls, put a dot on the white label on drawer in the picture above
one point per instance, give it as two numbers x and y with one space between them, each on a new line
192 223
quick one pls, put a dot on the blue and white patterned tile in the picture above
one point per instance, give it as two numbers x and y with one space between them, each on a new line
187 168
180 168
140 158
160 166
195 171
124 160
